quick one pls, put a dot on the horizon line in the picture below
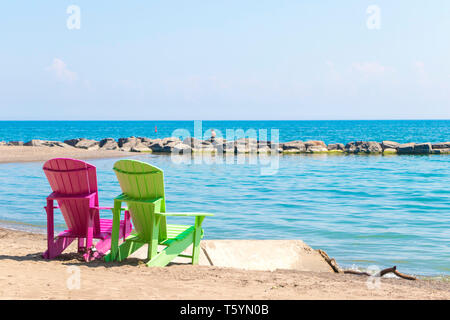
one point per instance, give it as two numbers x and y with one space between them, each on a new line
135 120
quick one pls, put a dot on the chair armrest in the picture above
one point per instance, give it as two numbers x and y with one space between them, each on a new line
59 196
186 214
125 198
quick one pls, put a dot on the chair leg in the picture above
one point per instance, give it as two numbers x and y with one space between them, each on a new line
153 243
57 247
50 230
54 247
89 237
127 225
196 245
115 232
81 245
197 237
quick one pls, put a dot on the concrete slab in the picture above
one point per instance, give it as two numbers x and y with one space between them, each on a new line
266 255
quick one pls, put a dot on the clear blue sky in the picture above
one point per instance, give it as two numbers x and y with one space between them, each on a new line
225 59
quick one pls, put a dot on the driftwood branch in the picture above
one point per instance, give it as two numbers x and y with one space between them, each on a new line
404 276
382 273
333 264
358 273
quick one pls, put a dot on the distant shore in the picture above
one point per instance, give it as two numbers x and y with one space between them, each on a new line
38 150
10 154
24 274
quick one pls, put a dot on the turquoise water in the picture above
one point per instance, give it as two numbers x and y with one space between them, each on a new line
329 131
362 210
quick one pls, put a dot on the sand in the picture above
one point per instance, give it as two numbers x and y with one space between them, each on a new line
26 153
24 274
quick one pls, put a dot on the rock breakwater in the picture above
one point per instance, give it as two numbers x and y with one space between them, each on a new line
245 145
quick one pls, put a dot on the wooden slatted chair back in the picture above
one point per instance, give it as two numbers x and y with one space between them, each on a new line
141 181
71 177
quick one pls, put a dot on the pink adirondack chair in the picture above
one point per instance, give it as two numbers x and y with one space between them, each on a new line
74 186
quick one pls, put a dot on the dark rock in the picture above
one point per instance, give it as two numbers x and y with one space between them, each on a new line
363 147
351 146
406 148
126 144
83 143
441 151
157 145
294 146
146 141
422 148
441 145
336 147
34 143
71 142
169 146
373 147
108 144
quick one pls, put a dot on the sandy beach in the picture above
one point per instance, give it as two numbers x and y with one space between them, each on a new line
27 154
24 274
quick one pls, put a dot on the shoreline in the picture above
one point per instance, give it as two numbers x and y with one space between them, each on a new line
24 275
41 231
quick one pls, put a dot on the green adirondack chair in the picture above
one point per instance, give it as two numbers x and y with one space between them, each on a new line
143 191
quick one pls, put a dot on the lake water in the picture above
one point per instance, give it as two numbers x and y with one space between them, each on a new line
362 210
329 131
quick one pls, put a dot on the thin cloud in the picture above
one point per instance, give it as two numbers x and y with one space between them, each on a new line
372 68
61 72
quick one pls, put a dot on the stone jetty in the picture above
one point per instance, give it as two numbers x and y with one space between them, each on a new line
245 145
